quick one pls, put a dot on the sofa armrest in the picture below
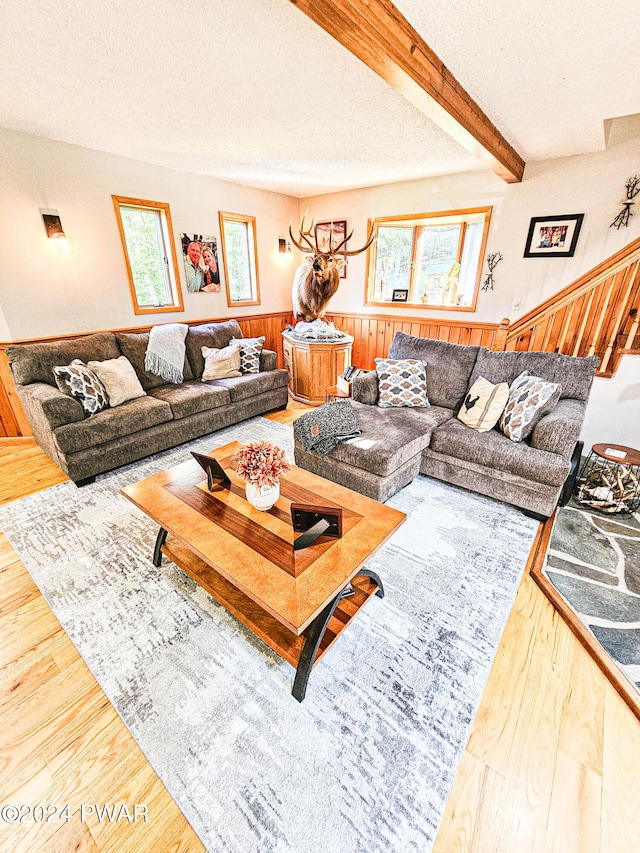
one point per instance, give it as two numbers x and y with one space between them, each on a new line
268 360
364 388
559 431
49 405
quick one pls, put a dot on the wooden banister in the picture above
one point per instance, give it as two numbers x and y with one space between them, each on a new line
595 315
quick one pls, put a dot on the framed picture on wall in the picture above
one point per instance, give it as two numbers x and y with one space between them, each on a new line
200 257
553 236
336 229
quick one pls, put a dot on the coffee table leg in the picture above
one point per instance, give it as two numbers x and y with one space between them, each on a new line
160 540
315 634
367 573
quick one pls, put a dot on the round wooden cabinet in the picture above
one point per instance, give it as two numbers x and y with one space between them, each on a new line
314 366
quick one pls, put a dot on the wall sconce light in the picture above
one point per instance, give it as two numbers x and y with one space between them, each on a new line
284 245
55 231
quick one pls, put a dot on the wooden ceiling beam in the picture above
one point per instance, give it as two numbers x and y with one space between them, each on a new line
382 38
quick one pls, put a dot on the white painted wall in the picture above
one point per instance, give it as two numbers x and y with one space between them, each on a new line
592 184
613 414
43 293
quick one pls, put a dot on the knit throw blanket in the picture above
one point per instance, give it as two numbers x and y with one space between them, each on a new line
323 429
165 351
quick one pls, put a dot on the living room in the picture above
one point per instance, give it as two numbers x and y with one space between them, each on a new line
534 749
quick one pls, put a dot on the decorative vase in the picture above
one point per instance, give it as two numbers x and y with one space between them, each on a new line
262 497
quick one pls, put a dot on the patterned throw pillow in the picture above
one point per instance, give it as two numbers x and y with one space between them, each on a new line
221 363
530 399
76 380
483 404
250 349
401 382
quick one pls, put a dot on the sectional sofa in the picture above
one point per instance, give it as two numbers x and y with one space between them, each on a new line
166 416
399 443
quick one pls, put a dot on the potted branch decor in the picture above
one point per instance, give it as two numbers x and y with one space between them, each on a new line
261 464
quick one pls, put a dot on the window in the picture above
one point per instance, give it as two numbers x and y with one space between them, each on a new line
435 257
146 233
239 254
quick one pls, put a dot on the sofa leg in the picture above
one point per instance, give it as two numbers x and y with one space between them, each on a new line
85 481
535 515
281 408
570 482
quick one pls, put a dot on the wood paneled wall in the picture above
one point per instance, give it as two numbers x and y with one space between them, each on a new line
373 333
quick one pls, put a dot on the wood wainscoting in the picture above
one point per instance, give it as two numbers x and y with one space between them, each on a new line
373 333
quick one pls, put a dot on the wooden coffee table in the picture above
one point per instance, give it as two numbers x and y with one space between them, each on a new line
293 600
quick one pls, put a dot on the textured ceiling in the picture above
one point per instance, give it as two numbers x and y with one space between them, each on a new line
253 91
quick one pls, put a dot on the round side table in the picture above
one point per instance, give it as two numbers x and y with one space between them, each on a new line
609 481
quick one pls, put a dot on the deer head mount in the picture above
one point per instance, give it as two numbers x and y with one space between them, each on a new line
314 286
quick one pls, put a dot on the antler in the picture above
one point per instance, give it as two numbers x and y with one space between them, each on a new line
304 236
370 239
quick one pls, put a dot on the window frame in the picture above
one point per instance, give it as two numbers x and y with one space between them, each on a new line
163 209
250 221
369 281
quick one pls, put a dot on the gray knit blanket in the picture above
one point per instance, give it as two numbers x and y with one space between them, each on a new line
324 428
165 351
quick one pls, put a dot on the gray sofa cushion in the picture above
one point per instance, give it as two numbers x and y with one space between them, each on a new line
389 438
110 424
214 335
191 397
449 366
250 384
559 431
134 347
364 388
574 375
35 362
494 450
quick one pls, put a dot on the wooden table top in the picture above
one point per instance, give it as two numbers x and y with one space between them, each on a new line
631 455
254 550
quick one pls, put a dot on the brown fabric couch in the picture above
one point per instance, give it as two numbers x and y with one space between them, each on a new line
397 444
168 415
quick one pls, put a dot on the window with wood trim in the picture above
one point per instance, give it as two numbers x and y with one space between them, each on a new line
432 260
149 251
240 258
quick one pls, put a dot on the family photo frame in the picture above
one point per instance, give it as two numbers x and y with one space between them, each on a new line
553 236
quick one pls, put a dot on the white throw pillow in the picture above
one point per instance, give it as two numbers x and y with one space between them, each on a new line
221 363
119 378
483 404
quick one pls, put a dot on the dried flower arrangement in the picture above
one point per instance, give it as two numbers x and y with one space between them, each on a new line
261 463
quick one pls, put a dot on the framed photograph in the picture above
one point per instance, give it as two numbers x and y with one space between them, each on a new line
401 295
200 256
339 227
553 236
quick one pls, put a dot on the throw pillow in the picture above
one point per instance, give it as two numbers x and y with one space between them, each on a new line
401 382
483 404
250 349
119 378
530 399
77 380
221 363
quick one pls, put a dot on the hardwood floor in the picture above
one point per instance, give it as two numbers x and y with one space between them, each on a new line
552 764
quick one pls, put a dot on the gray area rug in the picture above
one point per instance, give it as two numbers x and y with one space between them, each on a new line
594 562
367 761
